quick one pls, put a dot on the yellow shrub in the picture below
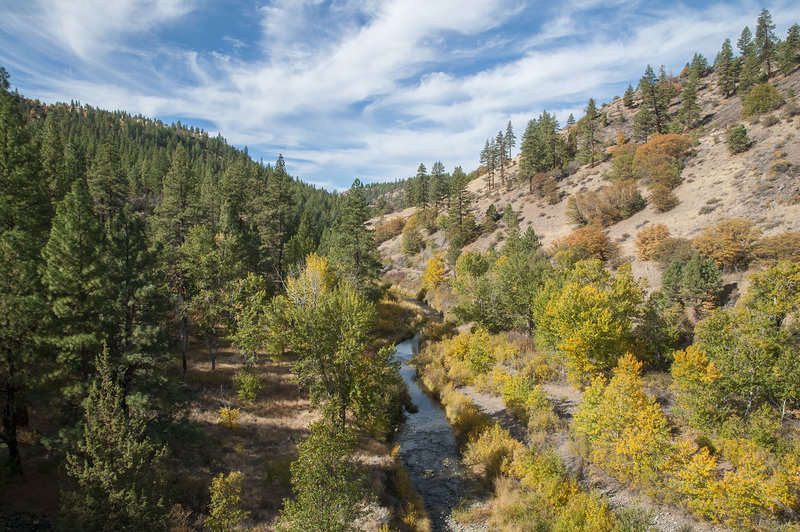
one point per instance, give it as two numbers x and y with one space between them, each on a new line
228 416
730 242
465 417
626 428
648 239
491 452
469 355
586 512
545 474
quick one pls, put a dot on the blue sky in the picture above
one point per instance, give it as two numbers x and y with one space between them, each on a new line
356 88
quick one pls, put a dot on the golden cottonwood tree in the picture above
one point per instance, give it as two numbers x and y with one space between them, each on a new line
589 318
626 428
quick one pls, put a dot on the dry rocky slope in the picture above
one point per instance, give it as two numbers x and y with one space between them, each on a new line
716 184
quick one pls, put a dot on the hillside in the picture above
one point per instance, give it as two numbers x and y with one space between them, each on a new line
595 390
717 185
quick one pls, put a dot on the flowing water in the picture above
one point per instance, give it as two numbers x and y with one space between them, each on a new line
428 447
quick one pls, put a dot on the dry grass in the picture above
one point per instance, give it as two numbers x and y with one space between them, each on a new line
264 443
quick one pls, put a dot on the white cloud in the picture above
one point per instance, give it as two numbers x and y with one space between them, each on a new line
367 88
89 26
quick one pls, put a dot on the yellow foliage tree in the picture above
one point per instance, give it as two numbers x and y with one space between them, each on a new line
434 272
626 428
589 318
315 279
692 375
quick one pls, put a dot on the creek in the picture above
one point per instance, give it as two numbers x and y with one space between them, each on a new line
428 447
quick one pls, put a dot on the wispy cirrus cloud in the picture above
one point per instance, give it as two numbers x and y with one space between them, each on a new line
356 88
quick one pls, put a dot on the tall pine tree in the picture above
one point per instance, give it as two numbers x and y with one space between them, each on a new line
728 69
178 212
25 214
275 218
766 41
78 290
136 332
352 245
590 127
108 183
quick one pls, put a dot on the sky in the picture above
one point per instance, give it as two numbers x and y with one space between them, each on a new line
362 89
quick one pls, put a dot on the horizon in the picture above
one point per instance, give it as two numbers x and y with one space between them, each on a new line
356 89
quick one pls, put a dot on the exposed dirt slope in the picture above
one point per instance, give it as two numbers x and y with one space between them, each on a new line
716 185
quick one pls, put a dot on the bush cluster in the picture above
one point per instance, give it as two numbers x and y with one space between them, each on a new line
649 239
609 205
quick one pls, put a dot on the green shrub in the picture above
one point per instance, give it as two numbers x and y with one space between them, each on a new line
738 141
762 98
327 483
247 385
224 511
411 241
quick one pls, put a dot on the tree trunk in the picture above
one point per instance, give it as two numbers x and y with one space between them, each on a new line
184 341
9 434
210 350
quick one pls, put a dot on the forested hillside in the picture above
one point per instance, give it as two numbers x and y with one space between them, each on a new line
147 270
623 293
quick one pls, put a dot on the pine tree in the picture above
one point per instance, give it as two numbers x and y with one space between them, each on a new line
510 139
748 74
570 120
421 187
502 155
171 222
108 183
439 189
52 155
699 65
690 109
274 228
765 41
302 243
460 224
178 210
789 50
137 336
119 474
24 221
672 280
590 127
745 43
701 280
352 247
627 98
655 97
728 68
78 290
489 161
